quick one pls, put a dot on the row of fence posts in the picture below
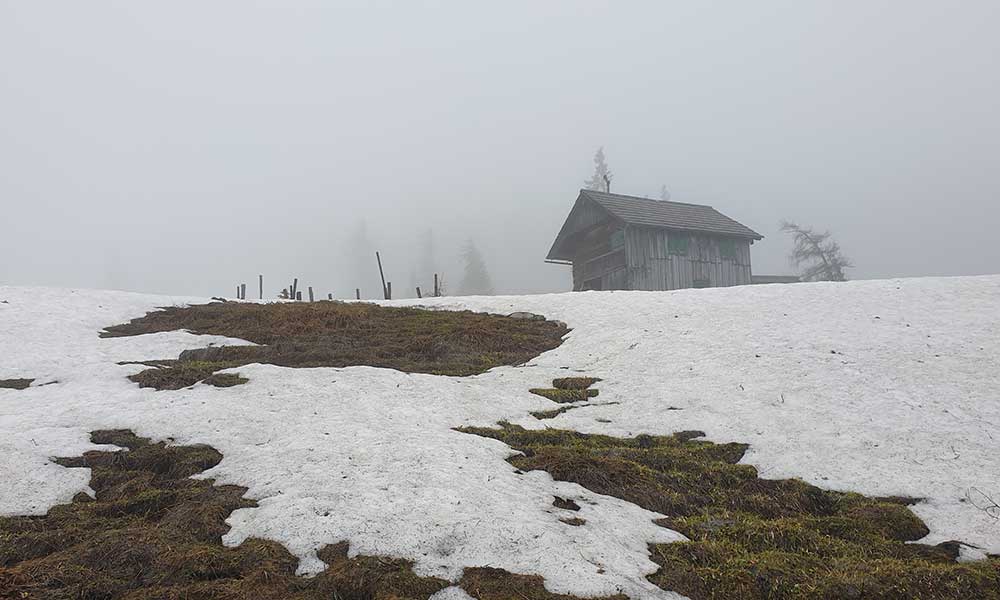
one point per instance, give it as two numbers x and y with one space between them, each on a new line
292 292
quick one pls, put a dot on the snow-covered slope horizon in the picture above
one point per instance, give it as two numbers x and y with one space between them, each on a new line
881 387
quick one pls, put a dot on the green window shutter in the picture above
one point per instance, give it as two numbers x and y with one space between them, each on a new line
727 249
677 244
618 239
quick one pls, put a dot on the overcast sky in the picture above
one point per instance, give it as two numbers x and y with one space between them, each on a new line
183 147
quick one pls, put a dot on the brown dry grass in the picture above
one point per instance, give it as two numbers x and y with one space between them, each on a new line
751 537
154 533
338 334
486 583
564 395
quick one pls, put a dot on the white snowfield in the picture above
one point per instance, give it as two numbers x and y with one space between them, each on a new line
880 387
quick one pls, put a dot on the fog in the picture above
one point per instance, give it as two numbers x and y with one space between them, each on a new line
185 147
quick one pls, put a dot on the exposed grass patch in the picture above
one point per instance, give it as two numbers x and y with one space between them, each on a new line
174 375
152 532
551 414
574 383
564 396
565 390
338 334
15 384
486 583
752 537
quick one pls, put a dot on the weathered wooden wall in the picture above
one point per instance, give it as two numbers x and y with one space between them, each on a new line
596 264
650 266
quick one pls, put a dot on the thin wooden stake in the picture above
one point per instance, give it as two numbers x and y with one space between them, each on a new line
437 290
388 291
311 294
243 291
237 291
260 283
357 293
418 292
295 287
385 290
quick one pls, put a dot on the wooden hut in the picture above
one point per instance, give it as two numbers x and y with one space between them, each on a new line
617 242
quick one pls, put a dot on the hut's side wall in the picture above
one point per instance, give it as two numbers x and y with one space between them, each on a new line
651 265
597 262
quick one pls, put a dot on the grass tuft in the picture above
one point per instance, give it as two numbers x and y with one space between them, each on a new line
574 383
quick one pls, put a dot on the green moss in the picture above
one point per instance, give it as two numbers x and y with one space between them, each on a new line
752 537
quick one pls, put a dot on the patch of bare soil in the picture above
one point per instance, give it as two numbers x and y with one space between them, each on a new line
339 334
15 384
750 537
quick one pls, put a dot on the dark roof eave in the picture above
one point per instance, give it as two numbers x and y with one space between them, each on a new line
748 236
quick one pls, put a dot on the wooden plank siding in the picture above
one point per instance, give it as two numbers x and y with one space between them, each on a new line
596 265
650 265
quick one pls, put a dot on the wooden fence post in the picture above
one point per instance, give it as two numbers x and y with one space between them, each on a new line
298 296
260 282
357 293
295 288
437 290
237 291
311 294
243 291
388 291
385 290
418 292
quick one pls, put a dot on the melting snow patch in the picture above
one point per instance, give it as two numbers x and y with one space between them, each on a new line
880 387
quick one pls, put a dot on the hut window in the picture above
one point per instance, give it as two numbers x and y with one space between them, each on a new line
727 249
677 244
618 239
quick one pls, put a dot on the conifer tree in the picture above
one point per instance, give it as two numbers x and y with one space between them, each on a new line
601 179
475 278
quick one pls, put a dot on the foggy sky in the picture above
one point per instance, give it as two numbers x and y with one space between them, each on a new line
184 147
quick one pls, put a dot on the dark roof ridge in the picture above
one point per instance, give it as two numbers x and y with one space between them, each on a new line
630 197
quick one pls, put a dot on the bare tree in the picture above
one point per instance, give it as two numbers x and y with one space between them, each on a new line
816 253
601 179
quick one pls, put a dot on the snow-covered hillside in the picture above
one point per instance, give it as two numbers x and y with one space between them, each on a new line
880 387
